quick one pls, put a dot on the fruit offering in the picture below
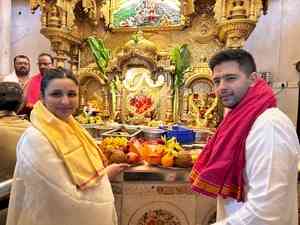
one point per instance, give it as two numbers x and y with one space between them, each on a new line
88 119
118 150
90 114
166 153
157 152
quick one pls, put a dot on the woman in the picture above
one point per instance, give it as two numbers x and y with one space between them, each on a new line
60 175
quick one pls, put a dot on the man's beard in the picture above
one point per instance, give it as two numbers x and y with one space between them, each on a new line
22 73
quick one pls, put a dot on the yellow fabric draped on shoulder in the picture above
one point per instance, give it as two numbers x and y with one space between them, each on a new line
83 159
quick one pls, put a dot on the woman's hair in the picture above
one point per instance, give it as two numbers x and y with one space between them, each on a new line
11 96
58 73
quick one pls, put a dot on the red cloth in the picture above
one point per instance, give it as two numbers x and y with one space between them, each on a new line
32 92
219 168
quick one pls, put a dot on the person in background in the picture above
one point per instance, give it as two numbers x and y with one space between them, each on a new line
32 91
21 73
250 164
61 175
11 129
11 126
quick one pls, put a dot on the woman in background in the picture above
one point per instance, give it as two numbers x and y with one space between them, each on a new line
61 175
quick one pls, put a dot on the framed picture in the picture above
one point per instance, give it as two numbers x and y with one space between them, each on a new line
131 15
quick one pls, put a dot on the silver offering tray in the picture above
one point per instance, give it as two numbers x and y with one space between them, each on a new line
123 131
96 130
193 146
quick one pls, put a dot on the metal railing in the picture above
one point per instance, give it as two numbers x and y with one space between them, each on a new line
5 187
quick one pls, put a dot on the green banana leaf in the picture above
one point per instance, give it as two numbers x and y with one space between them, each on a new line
101 54
181 57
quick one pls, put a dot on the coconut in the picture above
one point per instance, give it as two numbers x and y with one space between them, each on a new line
183 159
117 156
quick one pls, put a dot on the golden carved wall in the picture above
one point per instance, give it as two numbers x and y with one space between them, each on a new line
205 25
209 26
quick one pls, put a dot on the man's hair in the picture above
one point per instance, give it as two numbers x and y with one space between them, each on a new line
21 57
46 54
11 96
59 73
242 57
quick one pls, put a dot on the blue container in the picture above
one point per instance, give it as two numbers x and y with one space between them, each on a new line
182 134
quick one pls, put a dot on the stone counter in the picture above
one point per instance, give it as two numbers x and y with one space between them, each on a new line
152 195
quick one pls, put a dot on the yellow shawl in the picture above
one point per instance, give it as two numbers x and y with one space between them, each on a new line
84 161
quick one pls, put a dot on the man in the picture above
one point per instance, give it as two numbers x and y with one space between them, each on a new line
21 73
250 164
32 91
11 126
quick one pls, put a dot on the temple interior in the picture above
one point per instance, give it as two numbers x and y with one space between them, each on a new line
155 74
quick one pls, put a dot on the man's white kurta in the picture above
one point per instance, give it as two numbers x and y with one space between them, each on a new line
272 151
12 77
43 194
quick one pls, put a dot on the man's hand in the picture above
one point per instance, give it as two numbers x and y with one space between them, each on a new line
114 169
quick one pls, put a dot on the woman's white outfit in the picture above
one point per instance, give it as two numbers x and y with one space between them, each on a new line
43 193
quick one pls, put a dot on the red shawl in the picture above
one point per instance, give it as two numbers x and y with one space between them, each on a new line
32 92
219 168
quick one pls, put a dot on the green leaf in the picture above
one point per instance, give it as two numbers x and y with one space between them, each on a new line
101 54
181 58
